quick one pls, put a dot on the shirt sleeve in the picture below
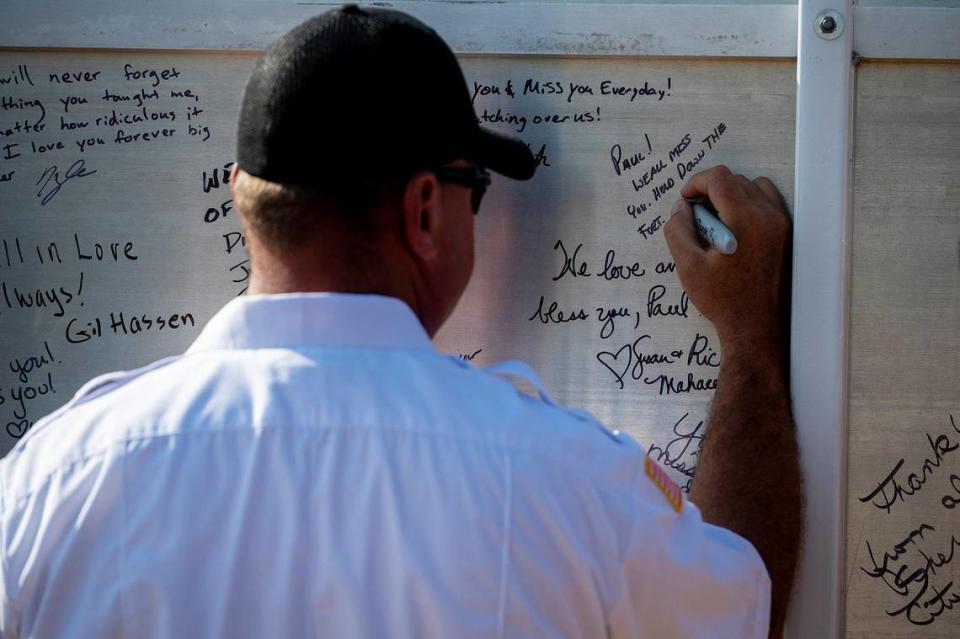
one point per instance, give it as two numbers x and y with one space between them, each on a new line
8 622
685 578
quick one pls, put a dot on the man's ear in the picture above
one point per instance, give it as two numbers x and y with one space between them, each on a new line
234 171
421 215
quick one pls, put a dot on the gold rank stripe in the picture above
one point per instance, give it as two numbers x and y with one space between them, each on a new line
667 486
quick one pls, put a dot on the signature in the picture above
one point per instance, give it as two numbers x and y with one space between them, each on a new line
631 360
51 182
889 490
922 600
682 452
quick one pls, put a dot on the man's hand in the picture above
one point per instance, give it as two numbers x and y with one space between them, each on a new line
741 294
748 471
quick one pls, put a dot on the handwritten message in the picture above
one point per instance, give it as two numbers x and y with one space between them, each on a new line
917 571
63 127
622 295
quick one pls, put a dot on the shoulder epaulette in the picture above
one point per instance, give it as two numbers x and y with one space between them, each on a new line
103 384
108 382
525 373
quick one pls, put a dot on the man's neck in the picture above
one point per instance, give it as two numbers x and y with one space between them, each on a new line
270 275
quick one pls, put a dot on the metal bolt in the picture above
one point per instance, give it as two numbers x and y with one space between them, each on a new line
829 24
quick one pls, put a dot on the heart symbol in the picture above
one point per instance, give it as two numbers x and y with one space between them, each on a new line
610 361
18 429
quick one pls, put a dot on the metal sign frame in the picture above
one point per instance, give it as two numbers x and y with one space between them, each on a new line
532 28
820 310
825 53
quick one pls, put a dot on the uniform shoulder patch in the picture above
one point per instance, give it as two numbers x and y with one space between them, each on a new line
662 480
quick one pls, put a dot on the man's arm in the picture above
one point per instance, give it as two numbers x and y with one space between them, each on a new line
748 473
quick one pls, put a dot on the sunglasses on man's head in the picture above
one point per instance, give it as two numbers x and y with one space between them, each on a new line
474 177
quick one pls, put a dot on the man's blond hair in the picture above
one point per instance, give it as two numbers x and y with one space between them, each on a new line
286 215
281 215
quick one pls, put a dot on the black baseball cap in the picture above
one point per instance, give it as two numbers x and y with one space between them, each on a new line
359 94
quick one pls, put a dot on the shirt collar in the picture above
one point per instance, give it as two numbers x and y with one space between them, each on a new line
313 319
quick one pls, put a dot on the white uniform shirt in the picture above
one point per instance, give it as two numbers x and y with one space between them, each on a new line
312 467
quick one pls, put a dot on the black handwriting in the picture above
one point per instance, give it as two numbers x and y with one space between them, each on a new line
51 178
925 601
681 452
630 360
889 490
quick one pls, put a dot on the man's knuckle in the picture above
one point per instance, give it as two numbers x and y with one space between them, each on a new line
723 188
670 238
778 216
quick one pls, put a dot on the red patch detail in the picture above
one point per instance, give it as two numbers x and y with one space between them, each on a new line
662 480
